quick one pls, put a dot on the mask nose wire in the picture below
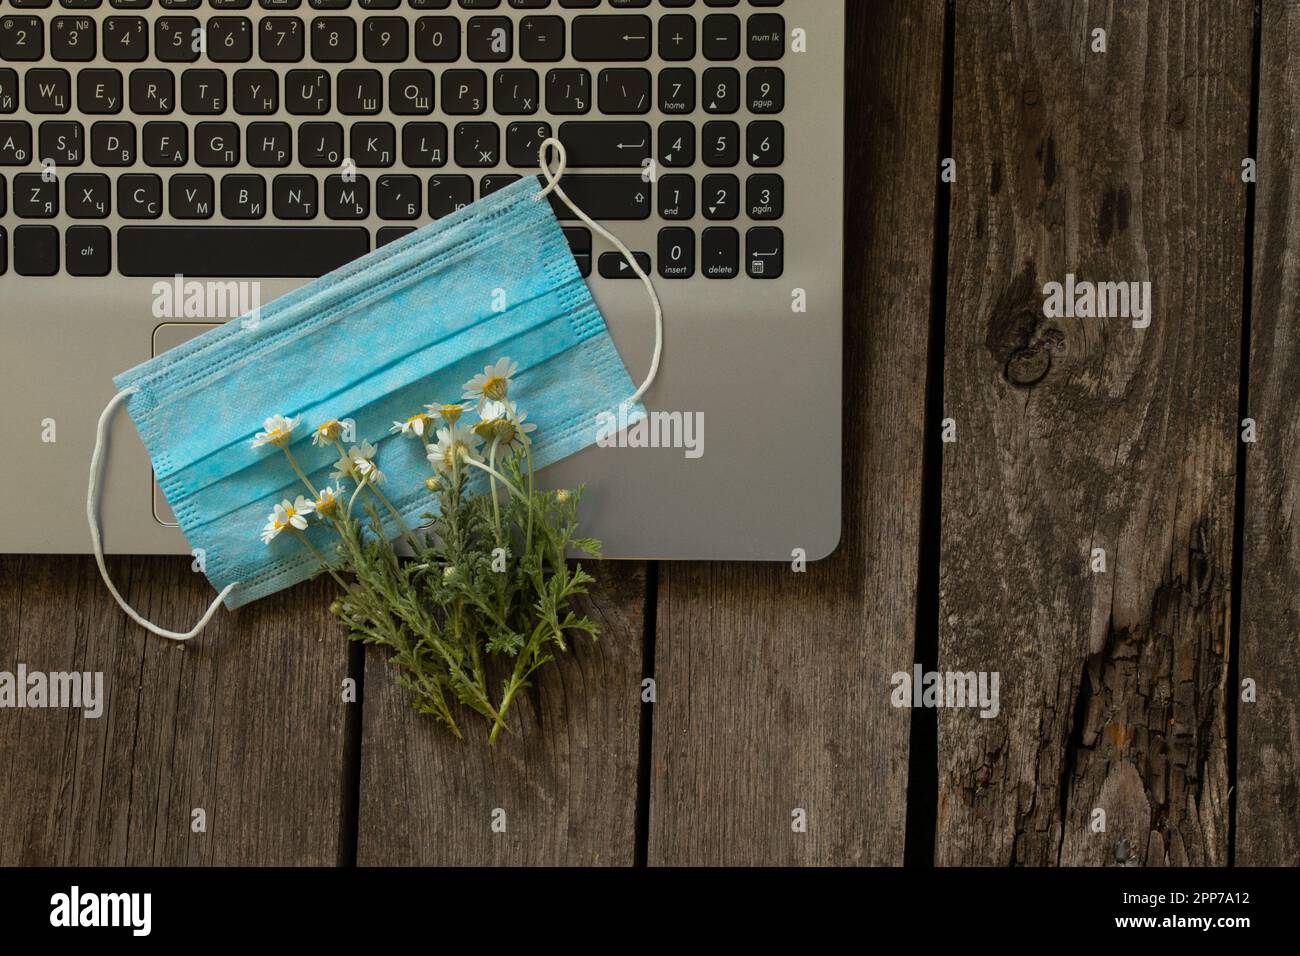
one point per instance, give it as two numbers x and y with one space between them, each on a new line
92 517
553 185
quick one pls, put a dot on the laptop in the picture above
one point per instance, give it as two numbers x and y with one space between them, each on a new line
165 163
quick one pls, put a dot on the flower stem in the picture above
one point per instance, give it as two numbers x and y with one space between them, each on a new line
298 469
499 477
321 558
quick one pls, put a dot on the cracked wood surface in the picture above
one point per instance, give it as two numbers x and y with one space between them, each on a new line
1076 434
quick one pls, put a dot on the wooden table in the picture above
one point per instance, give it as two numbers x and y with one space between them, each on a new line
1120 690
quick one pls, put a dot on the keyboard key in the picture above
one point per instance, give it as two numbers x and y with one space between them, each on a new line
676 40
496 182
720 144
721 37
8 91
293 196
165 144
765 252
424 145
62 141
48 91
721 196
677 91
36 250
203 92
139 196
280 39
720 253
233 251
765 36
307 92
216 144
152 92
320 144
676 144
255 92
611 144
464 92
410 92
447 194
347 198
524 140
389 234
384 39
88 250
99 91
478 145
87 195
333 39
373 144
568 92
398 197
600 38
112 144
613 265
541 39
765 90
360 92
35 196
191 196
230 40
243 196
605 196
4 244
268 144
721 90
437 39
174 39
765 196
624 91
15 143
676 196
126 39
677 253
22 40
579 238
489 39
72 39
514 92
765 143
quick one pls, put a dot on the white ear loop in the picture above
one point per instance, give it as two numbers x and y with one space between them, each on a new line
553 185
92 517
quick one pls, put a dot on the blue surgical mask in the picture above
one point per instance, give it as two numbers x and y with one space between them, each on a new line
372 343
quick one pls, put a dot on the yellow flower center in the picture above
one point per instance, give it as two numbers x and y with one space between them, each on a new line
495 388
451 413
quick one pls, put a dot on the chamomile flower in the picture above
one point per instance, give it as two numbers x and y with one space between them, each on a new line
287 514
448 413
327 501
493 384
458 441
327 433
416 425
349 466
504 423
278 431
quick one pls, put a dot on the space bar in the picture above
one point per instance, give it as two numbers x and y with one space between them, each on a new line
259 252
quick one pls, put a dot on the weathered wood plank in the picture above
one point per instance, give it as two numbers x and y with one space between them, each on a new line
773 687
1122 165
245 722
566 779
1268 749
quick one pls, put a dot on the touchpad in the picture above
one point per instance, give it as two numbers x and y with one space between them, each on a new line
168 336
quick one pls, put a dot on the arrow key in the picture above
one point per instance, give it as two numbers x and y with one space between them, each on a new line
765 143
720 196
613 266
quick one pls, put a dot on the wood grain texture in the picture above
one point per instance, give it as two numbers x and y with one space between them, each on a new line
1123 165
245 722
1268 750
566 779
773 687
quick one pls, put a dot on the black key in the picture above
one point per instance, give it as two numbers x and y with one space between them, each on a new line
131 4
478 145
36 250
720 253
624 91
765 196
765 89
87 195
523 140
15 143
496 182
373 144
410 92
112 144
611 38
514 92
721 90
464 92
389 234
175 39
203 92
256 92
347 198
61 141
72 39
765 36
676 144
36 196
165 144
126 39
765 252
8 91
437 39
99 91
489 39
216 144
320 144
541 39
677 91
720 144
268 144
139 196
721 37
398 197
4 195
307 92
568 92
579 238
48 91
677 39
293 196
190 196
288 252
22 39
153 92
765 143
677 252
280 39
88 250
4 244
721 196
610 144
230 40
447 194
333 39
360 92
384 39
614 266
424 145
676 197
243 196
605 196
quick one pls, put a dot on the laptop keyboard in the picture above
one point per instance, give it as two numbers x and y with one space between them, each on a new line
283 138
